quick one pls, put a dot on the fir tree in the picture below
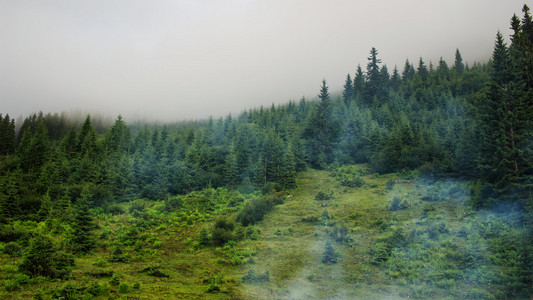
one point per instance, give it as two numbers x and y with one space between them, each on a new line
82 240
348 91
459 67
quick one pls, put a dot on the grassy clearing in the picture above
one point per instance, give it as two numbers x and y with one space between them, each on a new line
394 237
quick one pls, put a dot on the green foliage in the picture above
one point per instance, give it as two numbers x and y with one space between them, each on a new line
255 209
322 196
123 287
252 277
330 256
154 271
44 259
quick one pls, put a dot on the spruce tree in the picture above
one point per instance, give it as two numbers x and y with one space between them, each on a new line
82 240
348 91
459 67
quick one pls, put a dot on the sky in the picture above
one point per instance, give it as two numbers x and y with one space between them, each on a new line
172 60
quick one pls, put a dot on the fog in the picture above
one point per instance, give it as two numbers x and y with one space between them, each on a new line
190 59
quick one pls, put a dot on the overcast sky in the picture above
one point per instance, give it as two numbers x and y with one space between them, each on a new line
190 59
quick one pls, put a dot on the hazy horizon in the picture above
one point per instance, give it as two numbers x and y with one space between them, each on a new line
182 60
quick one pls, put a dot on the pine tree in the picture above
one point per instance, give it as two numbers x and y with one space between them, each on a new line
422 70
359 82
321 131
501 159
459 67
7 135
347 93
408 72
373 86
82 239
395 80
231 170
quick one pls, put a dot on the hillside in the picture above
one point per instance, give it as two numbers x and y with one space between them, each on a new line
410 185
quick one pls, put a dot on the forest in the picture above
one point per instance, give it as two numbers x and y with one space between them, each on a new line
409 183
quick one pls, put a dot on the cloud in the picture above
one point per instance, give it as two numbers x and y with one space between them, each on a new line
175 60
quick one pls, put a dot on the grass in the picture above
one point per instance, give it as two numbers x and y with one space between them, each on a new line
431 245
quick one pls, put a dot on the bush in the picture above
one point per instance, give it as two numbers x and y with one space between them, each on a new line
95 289
390 184
255 210
397 203
154 271
136 286
115 279
329 256
322 196
12 249
43 259
66 291
123 287
11 285
114 209
380 253
252 277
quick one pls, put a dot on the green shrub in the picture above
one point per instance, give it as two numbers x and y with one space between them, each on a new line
114 209
66 291
123 287
214 283
322 196
94 289
12 249
380 253
390 184
154 271
43 259
397 203
11 285
115 279
252 277
329 256
255 210
136 286
22 278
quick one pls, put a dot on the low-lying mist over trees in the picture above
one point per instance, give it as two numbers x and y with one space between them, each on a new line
424 169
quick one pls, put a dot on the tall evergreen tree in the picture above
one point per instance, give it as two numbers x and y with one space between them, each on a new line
374 83
501 159
459 67
348 92
82 239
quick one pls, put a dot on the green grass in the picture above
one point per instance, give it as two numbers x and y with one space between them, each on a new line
431 245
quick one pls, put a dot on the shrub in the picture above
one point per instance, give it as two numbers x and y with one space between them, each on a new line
115 279
203 237
397 203
43 259
114 209
95 289
22 278
252 277
390 184
255 210
154 271
66 291
214 284
329 256
12 249
123 287
380 253
11 285
136 286
322 196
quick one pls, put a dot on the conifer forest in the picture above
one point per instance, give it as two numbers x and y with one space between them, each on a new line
412 182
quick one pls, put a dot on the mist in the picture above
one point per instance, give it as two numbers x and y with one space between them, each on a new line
182 60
